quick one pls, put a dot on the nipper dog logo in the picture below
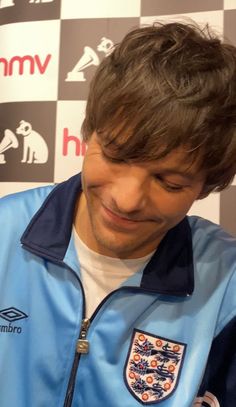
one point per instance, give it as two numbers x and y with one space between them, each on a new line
153 367
27 144
35 149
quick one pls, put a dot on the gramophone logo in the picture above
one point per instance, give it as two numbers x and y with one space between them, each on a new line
9 141
9 3
89 58
35 149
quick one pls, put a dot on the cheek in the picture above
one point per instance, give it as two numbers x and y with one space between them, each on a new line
96 181
93 171
174 205
95 166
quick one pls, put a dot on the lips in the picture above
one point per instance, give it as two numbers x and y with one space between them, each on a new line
118 221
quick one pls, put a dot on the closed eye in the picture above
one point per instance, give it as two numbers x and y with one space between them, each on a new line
169 186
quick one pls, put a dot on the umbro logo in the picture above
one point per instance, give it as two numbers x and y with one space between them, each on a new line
12 314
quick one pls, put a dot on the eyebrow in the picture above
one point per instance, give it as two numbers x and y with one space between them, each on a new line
188 175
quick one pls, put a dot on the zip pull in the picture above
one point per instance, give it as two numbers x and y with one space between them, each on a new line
82 343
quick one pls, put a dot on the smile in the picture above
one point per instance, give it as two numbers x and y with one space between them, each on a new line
120 221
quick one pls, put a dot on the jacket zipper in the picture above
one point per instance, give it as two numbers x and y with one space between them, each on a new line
82 347
83 343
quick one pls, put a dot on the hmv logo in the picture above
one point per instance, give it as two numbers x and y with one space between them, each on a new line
78 147
18 65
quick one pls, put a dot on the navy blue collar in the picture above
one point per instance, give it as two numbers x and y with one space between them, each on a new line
170 270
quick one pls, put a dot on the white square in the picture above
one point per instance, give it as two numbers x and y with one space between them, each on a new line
7 188
29 61
208 208
100 9
213 18
70 149
234 181
229 4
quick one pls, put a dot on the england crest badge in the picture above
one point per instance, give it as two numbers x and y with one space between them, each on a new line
153 367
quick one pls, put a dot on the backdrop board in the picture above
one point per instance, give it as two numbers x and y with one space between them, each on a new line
49 51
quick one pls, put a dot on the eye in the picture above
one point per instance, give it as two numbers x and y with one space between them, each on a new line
169 186
174 188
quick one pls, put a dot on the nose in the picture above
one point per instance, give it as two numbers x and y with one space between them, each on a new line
129 191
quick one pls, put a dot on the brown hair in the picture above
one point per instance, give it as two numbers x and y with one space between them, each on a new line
165 86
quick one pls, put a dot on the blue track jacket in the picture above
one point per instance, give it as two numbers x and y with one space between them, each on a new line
166 337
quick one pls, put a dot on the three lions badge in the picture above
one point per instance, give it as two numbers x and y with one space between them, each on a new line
153 367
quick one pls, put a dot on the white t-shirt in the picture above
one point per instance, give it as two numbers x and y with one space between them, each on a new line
101 274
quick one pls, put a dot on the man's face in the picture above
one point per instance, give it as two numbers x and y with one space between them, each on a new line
127 208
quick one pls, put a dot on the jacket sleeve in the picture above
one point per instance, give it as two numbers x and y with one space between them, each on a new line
219 381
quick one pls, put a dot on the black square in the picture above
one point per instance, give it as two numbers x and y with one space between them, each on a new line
230 25
84 43
27 133
228 210
14 11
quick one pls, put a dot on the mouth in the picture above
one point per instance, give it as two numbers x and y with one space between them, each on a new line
112 217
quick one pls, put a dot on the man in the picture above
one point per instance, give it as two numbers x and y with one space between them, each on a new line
114 297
